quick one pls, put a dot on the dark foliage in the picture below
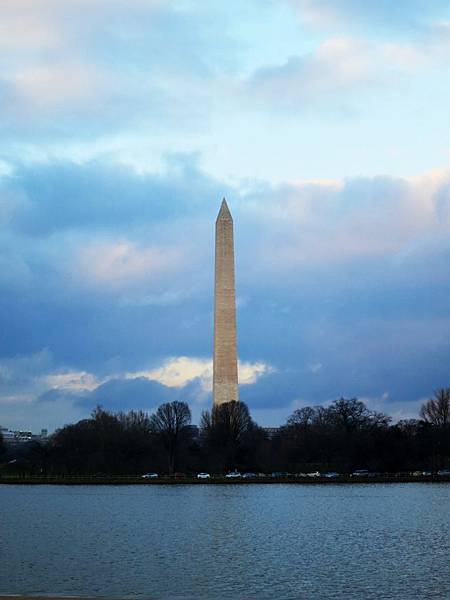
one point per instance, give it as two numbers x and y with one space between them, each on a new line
170 425
231 439
2 445
341 437
437 410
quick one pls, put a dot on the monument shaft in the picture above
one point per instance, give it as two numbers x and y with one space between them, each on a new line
225 373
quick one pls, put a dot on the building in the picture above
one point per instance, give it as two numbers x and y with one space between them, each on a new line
16 437
272 432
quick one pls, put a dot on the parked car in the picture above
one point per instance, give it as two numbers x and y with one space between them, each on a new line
331 475
150 476
444 472
203 476
360 473
233 475
314 474
249 475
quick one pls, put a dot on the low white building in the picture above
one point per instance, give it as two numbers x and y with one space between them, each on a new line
21 437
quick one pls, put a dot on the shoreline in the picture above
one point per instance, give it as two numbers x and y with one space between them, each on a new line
221 481
59 597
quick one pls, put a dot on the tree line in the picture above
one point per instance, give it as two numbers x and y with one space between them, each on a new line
342 437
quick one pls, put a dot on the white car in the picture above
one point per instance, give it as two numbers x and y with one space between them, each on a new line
150 476
203 476
233 475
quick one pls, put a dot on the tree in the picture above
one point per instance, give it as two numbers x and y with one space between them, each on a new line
106 443
344 435
2 444
170 423
302 417
353 415
437 410
226 432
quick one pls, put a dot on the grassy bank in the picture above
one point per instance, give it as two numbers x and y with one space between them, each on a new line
220 480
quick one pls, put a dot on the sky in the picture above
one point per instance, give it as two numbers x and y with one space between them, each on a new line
123 124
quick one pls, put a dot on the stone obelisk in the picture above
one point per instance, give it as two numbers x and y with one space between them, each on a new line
225 373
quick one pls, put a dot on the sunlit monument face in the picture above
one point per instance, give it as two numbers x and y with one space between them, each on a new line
225 379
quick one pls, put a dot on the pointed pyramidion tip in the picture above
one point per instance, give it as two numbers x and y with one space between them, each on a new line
224 212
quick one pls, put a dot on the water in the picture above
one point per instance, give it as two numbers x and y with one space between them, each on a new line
255 541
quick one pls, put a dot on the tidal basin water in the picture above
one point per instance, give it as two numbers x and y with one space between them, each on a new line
253 541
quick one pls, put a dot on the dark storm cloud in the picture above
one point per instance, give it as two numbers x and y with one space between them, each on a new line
46 199
119 394
127 394
53 211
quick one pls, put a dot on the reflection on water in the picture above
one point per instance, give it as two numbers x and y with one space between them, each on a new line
256 541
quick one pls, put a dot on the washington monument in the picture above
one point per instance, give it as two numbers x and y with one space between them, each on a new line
225 375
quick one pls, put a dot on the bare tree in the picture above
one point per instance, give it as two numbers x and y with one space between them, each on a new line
302 417
2 444
437 410
353 415
229 421
226 431
170 423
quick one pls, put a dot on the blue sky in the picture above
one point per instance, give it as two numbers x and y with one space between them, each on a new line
123 124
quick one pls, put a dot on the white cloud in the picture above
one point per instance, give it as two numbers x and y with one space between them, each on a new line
341 65
26 380
72 381
179 371
338 64
66 85
250 372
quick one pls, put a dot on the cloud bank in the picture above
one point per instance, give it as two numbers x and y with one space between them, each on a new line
107 297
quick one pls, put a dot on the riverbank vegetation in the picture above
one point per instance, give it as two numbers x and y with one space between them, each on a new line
341 437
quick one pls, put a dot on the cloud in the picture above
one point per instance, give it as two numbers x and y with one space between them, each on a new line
79 68
345 285
336 65
24 369
179 371
318 224
124 124
329 76
35 381
121 263
21 33
409 409
132 82
65 86
404 15
72 381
